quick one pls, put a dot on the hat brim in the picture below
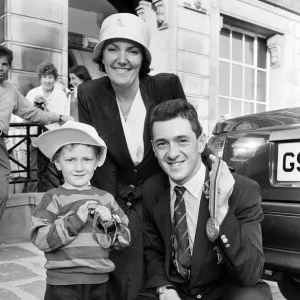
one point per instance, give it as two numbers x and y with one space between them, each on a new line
51 141
99 49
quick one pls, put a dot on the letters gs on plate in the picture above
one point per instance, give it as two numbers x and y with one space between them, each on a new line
288 162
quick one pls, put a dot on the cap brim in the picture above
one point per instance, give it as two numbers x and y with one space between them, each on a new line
51 141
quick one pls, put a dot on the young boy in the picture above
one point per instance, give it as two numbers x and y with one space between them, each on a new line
76 224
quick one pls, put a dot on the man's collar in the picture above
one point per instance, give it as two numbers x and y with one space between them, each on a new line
194 185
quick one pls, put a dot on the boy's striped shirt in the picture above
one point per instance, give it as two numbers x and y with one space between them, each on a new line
73 255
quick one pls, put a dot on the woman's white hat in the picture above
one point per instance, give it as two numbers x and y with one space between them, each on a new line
71 133
125 26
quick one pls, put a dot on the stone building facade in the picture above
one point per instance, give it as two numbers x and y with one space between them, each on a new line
234 57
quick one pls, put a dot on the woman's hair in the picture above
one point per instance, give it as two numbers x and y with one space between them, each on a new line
47 68
81 72
7 53
145 67
172 109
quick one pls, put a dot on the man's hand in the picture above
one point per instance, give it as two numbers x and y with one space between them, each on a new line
104 213
170 294
224 188
84 209
64 119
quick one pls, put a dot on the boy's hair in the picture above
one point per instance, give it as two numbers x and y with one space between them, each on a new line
7 53
97 150
172 109
47 68
81 72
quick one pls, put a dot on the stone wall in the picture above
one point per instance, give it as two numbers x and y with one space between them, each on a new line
35 32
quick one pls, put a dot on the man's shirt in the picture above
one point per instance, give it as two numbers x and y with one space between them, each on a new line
192 199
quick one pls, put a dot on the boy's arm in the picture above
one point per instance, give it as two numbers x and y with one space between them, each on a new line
48 232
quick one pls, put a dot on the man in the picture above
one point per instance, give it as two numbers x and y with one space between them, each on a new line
181 261
12 101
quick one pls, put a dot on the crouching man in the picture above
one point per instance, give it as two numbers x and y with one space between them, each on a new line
192 250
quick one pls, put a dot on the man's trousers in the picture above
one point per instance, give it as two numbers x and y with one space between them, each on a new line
4 175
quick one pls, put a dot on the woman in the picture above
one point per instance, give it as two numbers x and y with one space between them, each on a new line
77 75
118 106
51 99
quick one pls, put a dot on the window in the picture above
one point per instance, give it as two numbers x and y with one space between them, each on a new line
243 73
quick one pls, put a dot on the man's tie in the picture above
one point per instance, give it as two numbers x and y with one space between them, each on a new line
182 254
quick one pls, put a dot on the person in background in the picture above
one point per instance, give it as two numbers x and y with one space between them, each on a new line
45 96
13 102
59 84
77 75
76 224
118 107
50 99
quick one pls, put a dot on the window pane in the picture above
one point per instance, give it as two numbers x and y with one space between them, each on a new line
224 78
249 49
261 53
237 81
237 46
236 108
225 43
261 86
223 106
260 107
249 83
248 108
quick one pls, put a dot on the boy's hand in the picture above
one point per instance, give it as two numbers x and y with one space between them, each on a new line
84 209
104 213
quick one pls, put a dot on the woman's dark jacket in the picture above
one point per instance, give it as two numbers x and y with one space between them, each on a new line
98 107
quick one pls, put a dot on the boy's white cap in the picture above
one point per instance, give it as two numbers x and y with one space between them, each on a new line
71 133
125 26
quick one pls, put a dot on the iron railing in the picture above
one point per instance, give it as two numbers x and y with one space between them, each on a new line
42 161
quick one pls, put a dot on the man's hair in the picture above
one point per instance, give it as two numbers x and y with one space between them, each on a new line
47 68
172 109
81 72
97 150
7 53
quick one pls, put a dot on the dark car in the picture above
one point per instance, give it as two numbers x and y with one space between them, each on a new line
266 148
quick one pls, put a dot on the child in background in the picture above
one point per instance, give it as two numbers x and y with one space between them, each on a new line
76 224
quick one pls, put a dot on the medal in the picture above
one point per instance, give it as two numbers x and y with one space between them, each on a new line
212 225
212 229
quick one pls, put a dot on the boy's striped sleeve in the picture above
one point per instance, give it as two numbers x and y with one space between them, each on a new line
48 232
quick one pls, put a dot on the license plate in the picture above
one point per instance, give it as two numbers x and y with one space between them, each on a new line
288 162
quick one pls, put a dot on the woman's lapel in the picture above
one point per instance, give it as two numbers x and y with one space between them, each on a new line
149 102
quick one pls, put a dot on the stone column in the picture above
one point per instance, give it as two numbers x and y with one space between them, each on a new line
36 31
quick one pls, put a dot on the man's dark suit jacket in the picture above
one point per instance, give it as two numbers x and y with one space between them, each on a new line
98 107
214 267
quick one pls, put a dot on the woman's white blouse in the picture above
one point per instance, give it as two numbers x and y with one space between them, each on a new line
133 128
